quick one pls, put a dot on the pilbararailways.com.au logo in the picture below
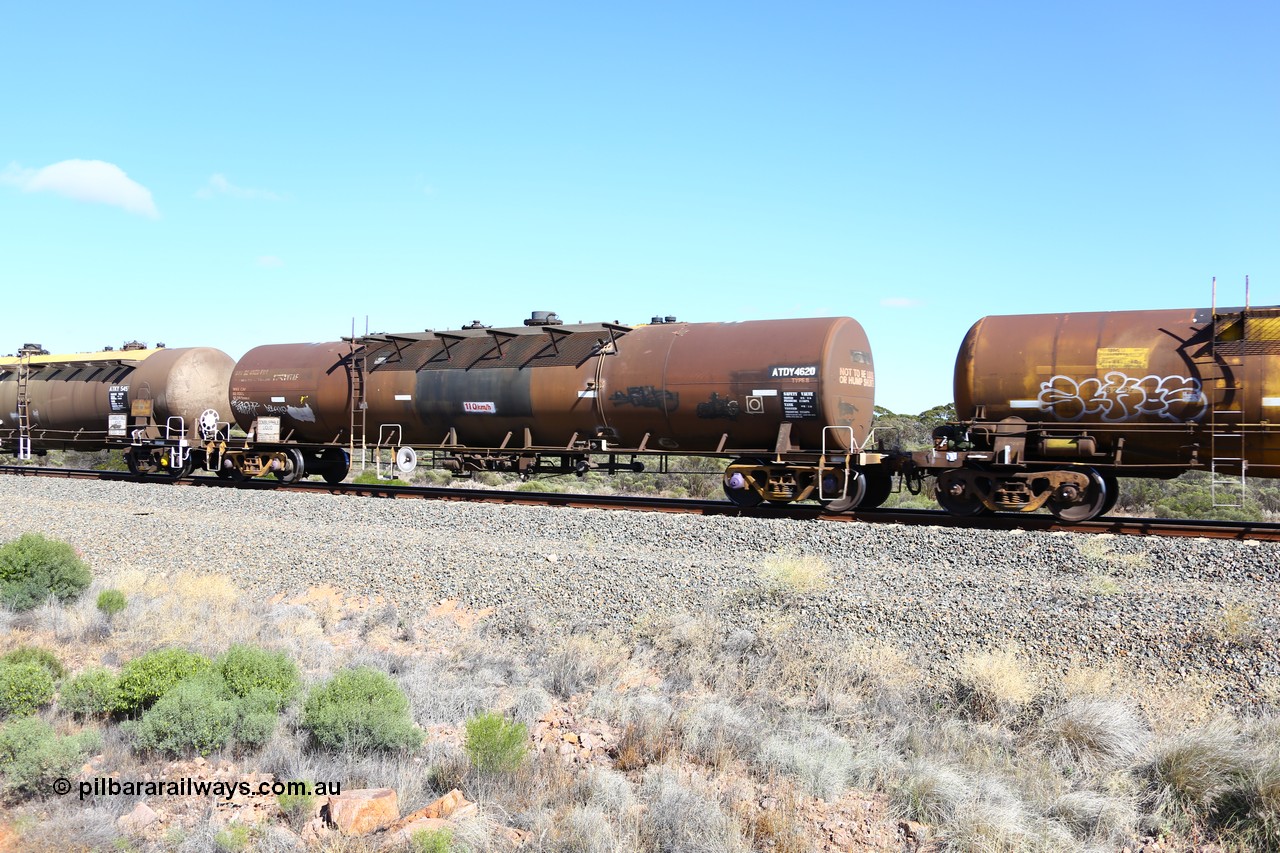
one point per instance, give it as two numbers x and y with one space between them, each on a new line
107 786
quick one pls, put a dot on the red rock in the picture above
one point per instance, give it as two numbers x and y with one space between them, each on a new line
315 831
452 805
364 810
137 820
397 838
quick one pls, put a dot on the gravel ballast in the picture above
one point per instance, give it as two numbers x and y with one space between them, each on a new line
1159 608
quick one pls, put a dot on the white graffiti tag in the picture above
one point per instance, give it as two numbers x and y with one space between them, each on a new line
1119 397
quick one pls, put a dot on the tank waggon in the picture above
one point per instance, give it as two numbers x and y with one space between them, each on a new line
91 401
788 402
1054 408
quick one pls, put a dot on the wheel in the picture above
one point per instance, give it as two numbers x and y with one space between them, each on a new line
879 487
139 465
181 471
1113 493
295 468
1092 504
956 497
854 494
739 493
336 465
233 474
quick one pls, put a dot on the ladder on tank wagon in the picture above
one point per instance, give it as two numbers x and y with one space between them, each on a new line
359 403
1234 336
1221 385
24 401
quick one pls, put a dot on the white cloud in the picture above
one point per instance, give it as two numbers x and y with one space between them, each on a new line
270 261
900 302
85 180
219 185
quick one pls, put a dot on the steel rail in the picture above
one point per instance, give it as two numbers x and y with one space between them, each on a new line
1238 530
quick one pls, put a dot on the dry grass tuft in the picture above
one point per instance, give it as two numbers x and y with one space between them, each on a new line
1081 680
580 663
929 793
579 829
715 732
649 733
818 758
1004 825
1095 732
1100 551
1101 583
1196 768
993 685
1237 624
205 613
775 824
69 827
789 572
681 818
1096 816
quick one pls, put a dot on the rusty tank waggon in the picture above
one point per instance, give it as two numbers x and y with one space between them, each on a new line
1053 409
143 399
788 403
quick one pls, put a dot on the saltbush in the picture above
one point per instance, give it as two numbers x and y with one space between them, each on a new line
251 670
257 715
431 841
297 807
32 756
233 838
111 602
144 680
495 744
32 568
34 654
360 709
203 714
90 693
197 714
24 687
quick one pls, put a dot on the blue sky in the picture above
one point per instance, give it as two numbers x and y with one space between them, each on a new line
236 174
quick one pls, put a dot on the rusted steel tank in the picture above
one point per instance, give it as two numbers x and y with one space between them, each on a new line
1162 390
691 387
71 396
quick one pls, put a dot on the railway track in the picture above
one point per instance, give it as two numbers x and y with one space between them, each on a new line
998 521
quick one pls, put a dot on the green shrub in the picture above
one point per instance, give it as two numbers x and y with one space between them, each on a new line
257 715
91 693
203 714
32 568
431 841
369 477
297 807
32 654
496 744
111 602
360 709
144 680
32 756
197 714
24 687
248 669
234 838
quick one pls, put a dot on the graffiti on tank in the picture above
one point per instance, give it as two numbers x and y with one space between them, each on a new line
647 397
1118 397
